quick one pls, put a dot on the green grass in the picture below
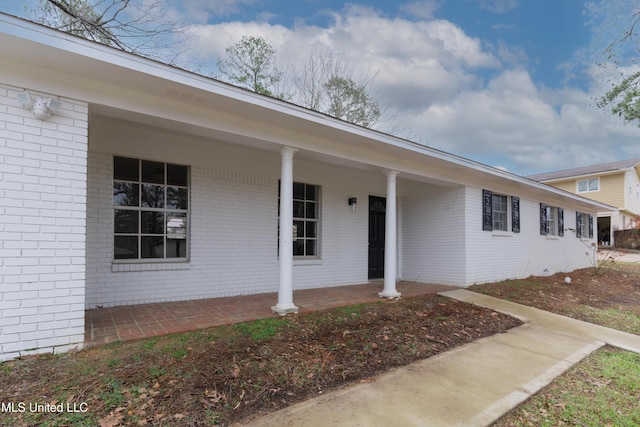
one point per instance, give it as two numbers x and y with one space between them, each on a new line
602 390
260 330
625 321
113 395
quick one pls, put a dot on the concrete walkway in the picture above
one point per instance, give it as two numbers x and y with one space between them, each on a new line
472 385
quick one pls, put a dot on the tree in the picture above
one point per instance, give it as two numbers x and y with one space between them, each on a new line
350 101
326 84
251 63
136 27
624 96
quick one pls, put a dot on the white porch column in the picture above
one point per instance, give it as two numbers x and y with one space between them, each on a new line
285 291
390 240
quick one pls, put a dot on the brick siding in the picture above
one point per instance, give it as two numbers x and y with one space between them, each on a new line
42 227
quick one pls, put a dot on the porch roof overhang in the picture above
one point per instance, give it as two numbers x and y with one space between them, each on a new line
125 86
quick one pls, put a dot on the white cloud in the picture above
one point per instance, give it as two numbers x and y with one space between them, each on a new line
452 90
421 9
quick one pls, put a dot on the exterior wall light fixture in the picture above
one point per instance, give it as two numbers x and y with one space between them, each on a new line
41 107
352 202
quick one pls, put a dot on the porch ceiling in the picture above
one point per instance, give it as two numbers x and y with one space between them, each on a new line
217 136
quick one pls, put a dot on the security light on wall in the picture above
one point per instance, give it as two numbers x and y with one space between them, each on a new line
41 107
352 202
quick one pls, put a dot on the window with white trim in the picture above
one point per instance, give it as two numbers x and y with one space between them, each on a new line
499 210
584 225
306 219
551 220
586 185
495 212
151 214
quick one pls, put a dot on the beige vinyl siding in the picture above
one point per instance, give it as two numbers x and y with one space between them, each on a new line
612 188
569 186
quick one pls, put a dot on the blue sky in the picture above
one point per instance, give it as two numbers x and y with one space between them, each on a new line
509 83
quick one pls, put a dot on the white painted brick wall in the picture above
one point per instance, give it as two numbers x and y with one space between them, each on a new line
233 234
494 255
42 227
432 239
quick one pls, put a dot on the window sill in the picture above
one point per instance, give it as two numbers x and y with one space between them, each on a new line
307 261
501 234
552 237
139 265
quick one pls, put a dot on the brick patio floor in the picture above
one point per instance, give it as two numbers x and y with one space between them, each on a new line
107 325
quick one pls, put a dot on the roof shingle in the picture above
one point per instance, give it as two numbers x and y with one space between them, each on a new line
586 170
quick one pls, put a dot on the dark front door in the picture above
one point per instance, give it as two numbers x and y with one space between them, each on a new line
377 209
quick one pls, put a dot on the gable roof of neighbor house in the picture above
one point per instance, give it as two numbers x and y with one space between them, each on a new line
128 87
611 167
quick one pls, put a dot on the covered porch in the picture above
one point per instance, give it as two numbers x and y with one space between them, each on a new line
124 323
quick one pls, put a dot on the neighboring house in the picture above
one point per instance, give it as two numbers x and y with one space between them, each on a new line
148 183
616 184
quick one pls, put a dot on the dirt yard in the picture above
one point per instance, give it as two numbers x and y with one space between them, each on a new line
610 298
221 375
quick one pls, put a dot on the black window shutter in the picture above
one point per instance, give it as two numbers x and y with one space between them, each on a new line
543 219
578 224
560 222
487 210
591 226
515 214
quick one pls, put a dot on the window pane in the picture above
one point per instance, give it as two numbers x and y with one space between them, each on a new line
311 192
177 225
593 184
152 222
152 246
125 247
311 211
311 247
499 212
153 172
176 248
126 169
311 229
499 221
298 191
177 198
177 175
298 209
125 194
298 227
152 196
298 247
582 185
125 221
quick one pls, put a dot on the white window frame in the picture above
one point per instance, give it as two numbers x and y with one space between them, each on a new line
500 212
178 232
589 185
301 216
552 221
584 226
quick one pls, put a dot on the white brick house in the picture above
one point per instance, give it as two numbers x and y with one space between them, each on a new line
154 184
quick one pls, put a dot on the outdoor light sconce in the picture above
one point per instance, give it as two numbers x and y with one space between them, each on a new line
352 203
41 107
